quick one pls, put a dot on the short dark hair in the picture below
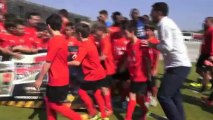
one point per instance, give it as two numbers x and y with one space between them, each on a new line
146 16
210 18
99 26
134 10
114 14
129 26
82 28
41 27
63 12
54 21
104 12
150 26
30 14
161 7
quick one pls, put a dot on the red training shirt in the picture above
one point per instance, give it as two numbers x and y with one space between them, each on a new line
39 43
25 40
30 31
91 64
119 50
8 40
207 46
136 62
106 49
57 55
73 41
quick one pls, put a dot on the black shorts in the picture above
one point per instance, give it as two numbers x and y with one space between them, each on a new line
201 60
57 94
138 87
76 75
151 83
107 82
92 85
123 76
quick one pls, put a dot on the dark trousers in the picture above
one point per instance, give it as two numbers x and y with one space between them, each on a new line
169 94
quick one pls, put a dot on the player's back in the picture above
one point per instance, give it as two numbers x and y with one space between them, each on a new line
57 55
91 64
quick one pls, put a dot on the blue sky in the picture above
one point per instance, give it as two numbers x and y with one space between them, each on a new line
188 14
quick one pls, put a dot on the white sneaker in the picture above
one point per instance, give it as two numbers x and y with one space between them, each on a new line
154 102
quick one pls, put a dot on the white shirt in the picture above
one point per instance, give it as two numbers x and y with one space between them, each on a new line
172 44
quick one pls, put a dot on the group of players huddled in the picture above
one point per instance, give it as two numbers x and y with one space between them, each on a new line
102 58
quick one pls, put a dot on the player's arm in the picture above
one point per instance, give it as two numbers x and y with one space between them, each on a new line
43 72
165 44
53 48
25 49
105 50
79 58
74 63
104 53
11 53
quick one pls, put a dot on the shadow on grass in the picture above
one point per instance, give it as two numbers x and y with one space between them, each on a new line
189 81
38 112
196 101
118 115
157 117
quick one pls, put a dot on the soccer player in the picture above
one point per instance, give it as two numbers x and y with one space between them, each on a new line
119 43
103 17
76 74
32 19
206 53
65 17
43 36
177 62
106 55
31 44
57 68
8 40
94 73
24 42
154 58
9 17
69 32
138 22
138 72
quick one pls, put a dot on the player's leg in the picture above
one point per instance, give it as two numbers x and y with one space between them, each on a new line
51 114
100 101
87 101
65 111
141 102
131 106
141 98
107 94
